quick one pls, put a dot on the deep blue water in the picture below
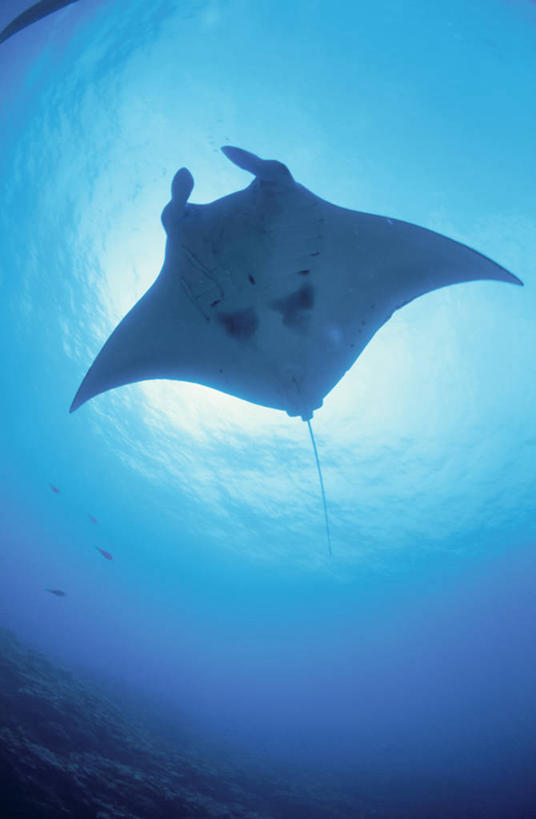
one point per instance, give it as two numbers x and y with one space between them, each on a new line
410 653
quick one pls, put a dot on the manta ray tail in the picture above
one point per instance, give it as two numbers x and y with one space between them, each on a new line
317 459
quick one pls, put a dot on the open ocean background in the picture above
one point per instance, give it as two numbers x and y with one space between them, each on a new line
405 664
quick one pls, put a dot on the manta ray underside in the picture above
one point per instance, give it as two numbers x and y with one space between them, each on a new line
271 293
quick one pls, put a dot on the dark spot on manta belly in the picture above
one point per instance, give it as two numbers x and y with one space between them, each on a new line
240 324
251 279
294 308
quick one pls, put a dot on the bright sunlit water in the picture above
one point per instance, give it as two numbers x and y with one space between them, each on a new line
410 652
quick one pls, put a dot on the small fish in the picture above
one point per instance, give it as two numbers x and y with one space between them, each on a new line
54 488
92 519
104 553
57 592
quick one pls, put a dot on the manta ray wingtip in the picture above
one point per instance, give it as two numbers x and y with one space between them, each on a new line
31 15
95 382
84 392
510 278
77 402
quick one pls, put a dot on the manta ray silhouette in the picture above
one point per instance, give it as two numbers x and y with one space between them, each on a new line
271 293
31 15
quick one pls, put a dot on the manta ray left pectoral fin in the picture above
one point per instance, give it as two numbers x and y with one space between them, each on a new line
149 342
138 349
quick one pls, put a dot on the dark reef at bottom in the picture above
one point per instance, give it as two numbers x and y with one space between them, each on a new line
68 750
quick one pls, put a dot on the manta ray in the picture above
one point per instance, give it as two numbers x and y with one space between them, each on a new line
31 15
271 293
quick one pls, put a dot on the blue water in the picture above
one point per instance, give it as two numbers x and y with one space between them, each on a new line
409 654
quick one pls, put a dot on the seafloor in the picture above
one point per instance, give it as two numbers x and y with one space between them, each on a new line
67 749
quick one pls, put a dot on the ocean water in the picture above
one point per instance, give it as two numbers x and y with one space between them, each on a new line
404 664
